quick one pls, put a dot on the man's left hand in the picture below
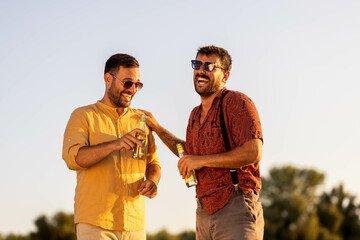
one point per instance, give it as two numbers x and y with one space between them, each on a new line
148 188
188 163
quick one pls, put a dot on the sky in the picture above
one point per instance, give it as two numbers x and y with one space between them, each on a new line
297 60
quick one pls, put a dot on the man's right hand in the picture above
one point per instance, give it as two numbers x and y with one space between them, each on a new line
90 155
129 141
151 121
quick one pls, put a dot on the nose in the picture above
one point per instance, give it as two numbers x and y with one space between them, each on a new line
201 69
133 89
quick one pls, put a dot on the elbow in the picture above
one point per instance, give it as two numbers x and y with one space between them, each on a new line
257 152
72 163
80 164
70 156
73 166
257 156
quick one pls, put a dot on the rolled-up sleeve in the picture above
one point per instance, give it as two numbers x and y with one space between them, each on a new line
75 137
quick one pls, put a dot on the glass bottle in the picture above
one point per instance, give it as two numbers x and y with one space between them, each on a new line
138 152
190 181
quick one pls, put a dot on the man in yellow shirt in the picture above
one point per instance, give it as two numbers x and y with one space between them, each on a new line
98 143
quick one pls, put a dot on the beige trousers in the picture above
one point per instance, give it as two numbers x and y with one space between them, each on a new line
86 231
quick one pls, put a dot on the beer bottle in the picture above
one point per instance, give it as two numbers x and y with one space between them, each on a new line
138 152
190 181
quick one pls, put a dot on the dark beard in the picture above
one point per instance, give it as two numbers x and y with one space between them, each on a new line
116 98
205 93
210 90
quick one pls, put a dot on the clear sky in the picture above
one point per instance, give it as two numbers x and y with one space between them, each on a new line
297 60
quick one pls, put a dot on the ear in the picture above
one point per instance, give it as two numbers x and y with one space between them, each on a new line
108 79
226 76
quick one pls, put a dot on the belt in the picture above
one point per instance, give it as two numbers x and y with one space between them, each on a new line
237 190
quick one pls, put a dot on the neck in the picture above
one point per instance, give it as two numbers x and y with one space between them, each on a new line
207 101
105 100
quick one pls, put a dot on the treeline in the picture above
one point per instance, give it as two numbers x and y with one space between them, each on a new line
293 210
165 235
61 227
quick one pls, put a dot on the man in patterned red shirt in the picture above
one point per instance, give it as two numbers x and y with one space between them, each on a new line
228 203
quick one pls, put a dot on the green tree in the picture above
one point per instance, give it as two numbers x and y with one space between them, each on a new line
60 227
293 209
162 235
165 235
339 214
12 236
289 198
64 224
187 235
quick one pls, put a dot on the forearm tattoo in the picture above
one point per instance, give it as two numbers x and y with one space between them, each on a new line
170 141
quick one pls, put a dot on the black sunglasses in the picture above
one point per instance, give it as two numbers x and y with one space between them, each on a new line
208 66
129 84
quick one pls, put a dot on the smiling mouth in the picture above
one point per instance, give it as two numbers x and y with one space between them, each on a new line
126 96
202 79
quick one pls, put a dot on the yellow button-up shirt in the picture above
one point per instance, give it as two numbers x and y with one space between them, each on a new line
106 194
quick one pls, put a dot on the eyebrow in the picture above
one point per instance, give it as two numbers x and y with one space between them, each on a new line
131 79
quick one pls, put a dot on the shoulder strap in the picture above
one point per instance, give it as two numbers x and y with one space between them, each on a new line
222 124
226 140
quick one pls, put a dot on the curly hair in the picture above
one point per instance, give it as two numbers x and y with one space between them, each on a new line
223 54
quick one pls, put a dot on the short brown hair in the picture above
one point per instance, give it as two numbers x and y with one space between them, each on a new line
224 56
120 59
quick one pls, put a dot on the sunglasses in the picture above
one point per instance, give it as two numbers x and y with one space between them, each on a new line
208 66
129 84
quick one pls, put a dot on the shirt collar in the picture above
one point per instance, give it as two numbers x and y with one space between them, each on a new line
110 109
221 93
218 96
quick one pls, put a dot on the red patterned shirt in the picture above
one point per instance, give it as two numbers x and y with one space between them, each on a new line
242 121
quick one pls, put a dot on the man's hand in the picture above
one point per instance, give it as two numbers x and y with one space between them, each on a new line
148 188
90 155
151 121
168 138
248 153
188 163
129 141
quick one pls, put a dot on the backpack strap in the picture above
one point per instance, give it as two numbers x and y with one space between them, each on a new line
234 176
